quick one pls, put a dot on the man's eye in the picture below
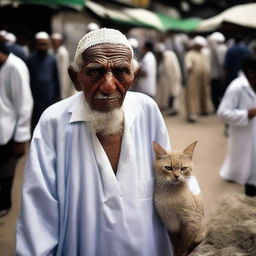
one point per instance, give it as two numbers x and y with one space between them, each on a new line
94 71
120 71
168 168
183 169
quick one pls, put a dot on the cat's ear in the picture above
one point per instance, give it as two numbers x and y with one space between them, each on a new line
159 151
190 149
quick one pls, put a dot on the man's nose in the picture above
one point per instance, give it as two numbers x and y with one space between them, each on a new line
108 86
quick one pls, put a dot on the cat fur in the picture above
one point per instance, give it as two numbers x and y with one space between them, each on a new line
180 210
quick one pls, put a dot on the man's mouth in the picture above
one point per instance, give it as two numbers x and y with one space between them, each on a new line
106 98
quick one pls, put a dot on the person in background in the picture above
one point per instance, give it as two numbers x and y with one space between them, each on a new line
147 81
92 26
10 40
218 49
197 85
238 110
168 80
15 113
89 180
62 57
136 47
233 61
44 77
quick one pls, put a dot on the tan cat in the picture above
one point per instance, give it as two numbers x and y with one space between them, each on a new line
180 210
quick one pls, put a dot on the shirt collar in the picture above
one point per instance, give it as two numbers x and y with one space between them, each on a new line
79 110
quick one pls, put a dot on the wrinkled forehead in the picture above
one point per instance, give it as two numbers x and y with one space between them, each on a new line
107 53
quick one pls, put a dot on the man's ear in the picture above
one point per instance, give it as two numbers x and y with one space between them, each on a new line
74 77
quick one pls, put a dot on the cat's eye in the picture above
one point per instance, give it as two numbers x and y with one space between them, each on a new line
168 168
183 169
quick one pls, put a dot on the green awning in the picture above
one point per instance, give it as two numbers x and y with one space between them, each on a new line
137 17
142 18
53 3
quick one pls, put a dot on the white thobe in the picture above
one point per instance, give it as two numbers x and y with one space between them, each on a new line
74 204
62 57
147 83
16 101
169 81
240 161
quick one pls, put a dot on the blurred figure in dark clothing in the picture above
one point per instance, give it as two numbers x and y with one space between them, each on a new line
233 61
44 79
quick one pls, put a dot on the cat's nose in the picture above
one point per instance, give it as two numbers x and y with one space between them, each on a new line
176 174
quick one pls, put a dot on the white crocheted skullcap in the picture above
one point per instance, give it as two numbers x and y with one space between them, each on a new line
3 33
99 36
134 42
217 37
199 40
57 36
92 26
42 35
160 47
10 37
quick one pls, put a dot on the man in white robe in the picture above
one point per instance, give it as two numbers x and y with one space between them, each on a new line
88 185
198 80
16 105
238 110
147 80
62 57
169 80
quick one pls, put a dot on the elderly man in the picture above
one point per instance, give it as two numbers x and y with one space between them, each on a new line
15 112
88 187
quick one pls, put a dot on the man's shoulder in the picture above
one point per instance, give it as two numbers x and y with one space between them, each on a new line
139 100
51 58
15 63
60 110
63 50
237 85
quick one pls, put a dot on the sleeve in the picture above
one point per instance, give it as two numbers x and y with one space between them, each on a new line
22 102
38 223
228 110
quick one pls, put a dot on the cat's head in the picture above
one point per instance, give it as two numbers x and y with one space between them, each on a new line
175 166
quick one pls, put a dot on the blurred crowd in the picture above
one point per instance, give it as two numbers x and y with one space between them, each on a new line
200 68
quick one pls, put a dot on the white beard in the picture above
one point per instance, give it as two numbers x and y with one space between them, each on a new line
106 123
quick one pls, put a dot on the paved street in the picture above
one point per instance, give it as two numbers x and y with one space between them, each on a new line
208 157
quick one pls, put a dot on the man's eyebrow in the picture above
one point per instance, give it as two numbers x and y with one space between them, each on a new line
94 65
